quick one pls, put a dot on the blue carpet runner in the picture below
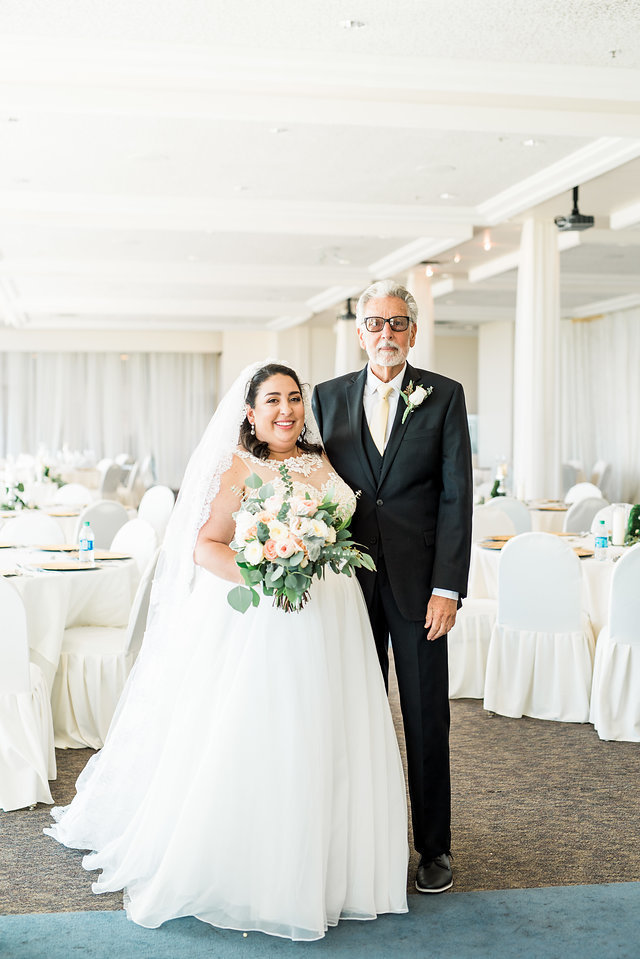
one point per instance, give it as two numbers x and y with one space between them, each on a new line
568 922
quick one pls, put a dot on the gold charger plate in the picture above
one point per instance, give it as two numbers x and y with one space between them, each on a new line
491 544
63 512
9 572
61 566
582 552
103 554
58 548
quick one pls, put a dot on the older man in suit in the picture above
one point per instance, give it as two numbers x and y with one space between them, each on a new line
400 436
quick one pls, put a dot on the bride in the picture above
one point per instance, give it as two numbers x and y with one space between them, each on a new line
251 775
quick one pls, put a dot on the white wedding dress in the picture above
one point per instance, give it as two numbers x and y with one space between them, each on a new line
268 793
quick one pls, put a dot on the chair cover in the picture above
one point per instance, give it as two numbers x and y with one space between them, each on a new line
581 491
27 757
468 646
155 507
490 520
600 474
516 510
579 516
615 694
110 481
74 494
94 664
138 539
540 659
106 518
32 529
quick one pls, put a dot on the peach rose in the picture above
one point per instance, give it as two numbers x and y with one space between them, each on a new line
270 550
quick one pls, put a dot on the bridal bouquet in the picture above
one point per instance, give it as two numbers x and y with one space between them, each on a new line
283 540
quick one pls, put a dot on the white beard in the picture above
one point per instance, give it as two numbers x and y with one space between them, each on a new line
395 357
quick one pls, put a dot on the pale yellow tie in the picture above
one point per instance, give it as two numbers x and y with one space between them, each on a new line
380 418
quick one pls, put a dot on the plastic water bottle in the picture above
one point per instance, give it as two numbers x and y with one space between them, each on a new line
601 541
85 547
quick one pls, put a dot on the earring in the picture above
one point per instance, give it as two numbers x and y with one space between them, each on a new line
253 429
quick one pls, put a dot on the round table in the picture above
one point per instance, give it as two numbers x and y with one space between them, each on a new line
55 601
596 578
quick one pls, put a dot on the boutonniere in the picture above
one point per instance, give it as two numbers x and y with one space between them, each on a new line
413 397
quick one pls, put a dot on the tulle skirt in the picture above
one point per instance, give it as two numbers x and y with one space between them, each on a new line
265 791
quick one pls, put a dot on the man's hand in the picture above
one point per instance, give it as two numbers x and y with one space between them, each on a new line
441 615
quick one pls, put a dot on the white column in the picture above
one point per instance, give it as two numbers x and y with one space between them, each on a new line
423 352
348 354
536 416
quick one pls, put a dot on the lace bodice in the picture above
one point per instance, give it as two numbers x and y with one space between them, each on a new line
318 475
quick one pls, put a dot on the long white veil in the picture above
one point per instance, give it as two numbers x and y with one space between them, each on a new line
111 785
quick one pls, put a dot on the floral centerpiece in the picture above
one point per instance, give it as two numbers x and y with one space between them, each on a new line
13 497
633 527
284 540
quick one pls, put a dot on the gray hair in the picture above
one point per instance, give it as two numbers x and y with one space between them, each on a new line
386 288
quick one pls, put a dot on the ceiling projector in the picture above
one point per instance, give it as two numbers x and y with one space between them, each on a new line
575 220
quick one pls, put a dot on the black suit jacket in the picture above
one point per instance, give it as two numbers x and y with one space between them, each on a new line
418 512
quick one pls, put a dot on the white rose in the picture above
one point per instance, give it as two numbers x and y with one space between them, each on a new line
317 528
254 553
277 530
418 395
331 535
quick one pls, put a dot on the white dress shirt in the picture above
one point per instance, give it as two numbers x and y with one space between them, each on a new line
371 398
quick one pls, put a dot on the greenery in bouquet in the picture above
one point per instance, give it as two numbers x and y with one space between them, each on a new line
12 498
633 527
50 477
284 540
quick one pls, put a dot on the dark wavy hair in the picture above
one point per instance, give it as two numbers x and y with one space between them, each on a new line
251 443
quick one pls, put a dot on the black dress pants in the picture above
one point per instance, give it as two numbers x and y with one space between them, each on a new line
423 683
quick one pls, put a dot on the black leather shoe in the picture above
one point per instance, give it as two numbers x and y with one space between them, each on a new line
434 875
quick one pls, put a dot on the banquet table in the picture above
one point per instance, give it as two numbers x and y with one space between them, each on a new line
547 516
596 578
54 601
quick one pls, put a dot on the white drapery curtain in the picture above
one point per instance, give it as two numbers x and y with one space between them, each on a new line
536 434
110 403
601 398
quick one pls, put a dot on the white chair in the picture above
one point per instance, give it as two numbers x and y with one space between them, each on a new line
579 516
132 492
540 660
606 513
106 518
124 459
490 520
27 756
581 491
74 494
32 529
515 510
94 664
138 539
600 474
615 694
468 647
110 478
155 507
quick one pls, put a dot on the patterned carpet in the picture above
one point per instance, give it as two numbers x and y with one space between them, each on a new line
534 804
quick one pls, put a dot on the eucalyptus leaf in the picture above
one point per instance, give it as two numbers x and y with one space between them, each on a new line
253 481
240 598
266 491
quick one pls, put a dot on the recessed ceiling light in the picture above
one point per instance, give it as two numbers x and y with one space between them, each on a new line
530 142
448 196
486 242
457 258
429 271
352 24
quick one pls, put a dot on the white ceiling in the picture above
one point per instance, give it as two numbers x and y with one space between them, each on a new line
208 164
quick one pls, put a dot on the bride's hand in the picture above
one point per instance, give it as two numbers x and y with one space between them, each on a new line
441 616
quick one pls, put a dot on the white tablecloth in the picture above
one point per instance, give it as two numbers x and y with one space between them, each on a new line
596 578
56 600
546 519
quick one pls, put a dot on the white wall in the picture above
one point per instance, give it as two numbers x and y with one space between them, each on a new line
495 392
109 341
